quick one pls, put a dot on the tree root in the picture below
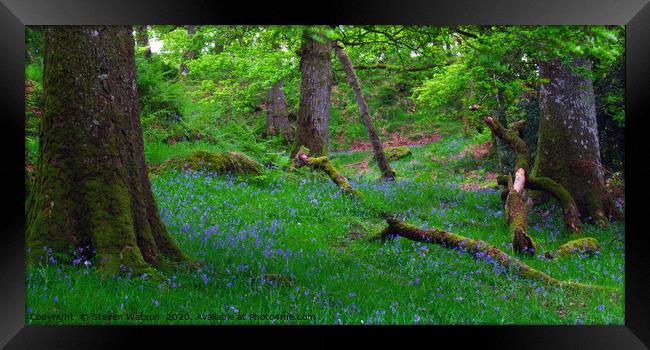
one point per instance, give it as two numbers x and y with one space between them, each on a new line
323 163
480 249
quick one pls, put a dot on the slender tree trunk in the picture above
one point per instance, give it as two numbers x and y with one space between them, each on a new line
142 40
91 181
315 88
386 172
568 150
277 121
189 54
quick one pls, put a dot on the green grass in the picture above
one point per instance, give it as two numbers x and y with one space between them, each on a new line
315 243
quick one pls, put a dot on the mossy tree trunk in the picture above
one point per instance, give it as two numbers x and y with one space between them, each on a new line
512 137
91 181
568 150
387 172
277 121
315 89
517 214
142 39
323 163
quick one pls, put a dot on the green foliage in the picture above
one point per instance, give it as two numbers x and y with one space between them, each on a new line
273 241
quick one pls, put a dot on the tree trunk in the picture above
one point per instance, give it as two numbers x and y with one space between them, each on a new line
315 88
189 54
386 172
568 150
142 39
91 182
277 121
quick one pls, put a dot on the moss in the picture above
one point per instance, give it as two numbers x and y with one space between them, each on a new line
215 162
91 186
582 246
511 137
395 153
324 163
569 208
478 248
517 217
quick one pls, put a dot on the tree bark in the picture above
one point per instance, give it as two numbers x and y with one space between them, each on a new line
511 137
91 183
387 172
517 215
315 88
568 150
277 121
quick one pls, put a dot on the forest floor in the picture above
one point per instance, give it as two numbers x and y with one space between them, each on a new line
293 243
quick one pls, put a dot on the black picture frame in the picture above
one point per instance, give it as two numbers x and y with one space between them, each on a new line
15 14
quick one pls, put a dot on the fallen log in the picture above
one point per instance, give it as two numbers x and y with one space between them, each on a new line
324 164
479 249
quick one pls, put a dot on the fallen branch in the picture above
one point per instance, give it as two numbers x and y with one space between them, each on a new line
323 163
517 215
569 209
511 137
479 249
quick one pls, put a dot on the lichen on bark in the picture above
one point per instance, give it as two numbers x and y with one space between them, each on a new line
568 149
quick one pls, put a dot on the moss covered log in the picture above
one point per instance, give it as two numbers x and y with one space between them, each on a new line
582 246
479 249
323 163
213 162
91 185
399 152
517 216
